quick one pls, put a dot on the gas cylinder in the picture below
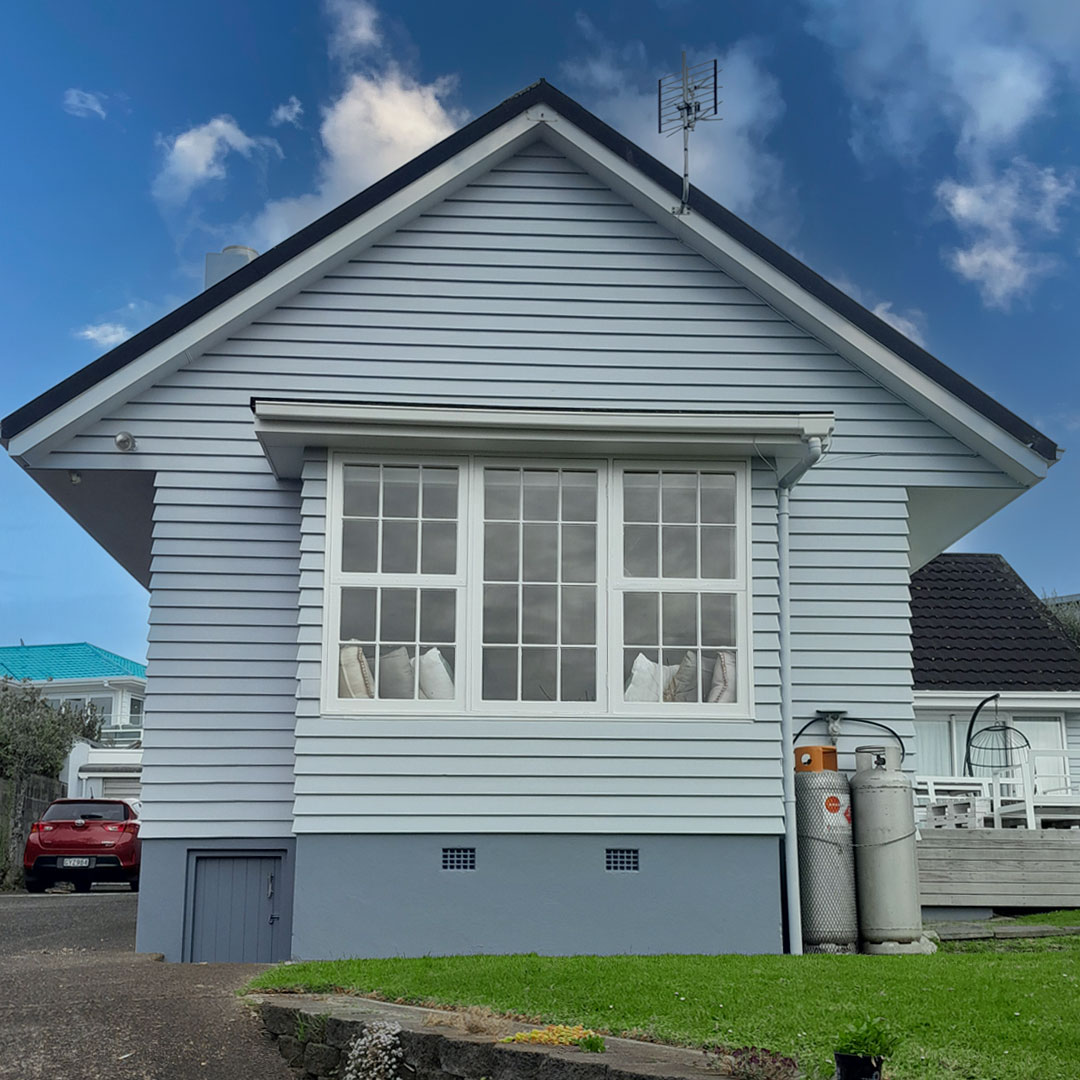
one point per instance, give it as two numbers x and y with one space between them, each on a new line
826 859
886 867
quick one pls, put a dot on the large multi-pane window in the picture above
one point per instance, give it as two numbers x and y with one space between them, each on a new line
532 587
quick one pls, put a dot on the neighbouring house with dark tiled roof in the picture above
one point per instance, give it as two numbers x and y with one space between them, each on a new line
976 630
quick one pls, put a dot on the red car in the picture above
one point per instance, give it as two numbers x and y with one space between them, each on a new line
83 841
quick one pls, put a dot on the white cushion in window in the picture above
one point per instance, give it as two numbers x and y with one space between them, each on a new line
396 674
436 678
723 678
645 679
682 686
356 680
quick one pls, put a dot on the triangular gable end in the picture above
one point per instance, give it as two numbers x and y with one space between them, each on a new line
958 408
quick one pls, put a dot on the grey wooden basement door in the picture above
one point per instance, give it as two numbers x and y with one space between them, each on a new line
236 909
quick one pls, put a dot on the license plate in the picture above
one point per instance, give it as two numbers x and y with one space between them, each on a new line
72 863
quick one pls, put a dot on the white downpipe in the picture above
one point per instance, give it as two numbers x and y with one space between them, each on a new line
811 457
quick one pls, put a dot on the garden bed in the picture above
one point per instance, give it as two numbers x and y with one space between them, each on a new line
1009 1015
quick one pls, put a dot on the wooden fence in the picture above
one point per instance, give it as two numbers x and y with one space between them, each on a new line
1003 868
42 792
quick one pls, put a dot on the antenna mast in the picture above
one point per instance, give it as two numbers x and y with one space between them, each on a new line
682 100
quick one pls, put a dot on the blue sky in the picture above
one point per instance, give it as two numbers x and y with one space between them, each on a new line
922 155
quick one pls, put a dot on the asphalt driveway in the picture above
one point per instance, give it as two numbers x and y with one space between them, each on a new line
76 1003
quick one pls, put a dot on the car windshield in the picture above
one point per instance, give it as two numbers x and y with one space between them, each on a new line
88 811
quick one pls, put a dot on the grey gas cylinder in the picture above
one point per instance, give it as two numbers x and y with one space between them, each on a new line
886 867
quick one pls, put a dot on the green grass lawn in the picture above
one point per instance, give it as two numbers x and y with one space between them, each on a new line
1005 1013
1069 917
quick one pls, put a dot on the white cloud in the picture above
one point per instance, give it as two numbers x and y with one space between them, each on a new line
84 103
980 74
104 334
995 215
354 27
288 112
917 68
380 120
909 324
728 159
198 155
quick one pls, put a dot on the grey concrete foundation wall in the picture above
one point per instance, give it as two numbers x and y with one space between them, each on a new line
165 891
380 895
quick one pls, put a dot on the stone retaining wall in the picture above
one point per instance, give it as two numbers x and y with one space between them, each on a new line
313 1033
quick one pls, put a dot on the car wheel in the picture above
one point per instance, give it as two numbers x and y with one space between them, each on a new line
82 886
135 885
35 884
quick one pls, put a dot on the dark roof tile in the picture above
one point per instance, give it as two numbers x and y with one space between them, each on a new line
975 625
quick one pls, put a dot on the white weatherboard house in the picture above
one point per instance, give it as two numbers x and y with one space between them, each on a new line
500 527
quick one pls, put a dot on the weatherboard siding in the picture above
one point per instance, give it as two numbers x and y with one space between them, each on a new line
218 739
533 286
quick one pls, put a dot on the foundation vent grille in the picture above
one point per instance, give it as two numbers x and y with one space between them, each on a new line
459 858
621 860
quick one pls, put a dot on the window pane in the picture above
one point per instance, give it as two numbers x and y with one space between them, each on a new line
578 615
579 496
502 494
578 674
436 673
640 555
500 674
501 551
641 496
680 496
682 686
398 618
718 552
356 666
680 551
401 491
718 498
644 678
718 676
357 614
680 619
541 495
359 541
500 613
933 755
437 611
397 672
641 618
539 604
717 619
540 559
538 675
579 553
438 554
361 491
440 488
399 547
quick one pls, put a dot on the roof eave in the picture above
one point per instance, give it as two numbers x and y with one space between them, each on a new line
839 317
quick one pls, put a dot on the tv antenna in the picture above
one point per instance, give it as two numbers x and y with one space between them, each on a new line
682 100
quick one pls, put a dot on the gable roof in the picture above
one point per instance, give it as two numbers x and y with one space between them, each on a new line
79 660
540 93
975 625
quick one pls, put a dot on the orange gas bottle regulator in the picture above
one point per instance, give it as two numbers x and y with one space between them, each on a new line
815 759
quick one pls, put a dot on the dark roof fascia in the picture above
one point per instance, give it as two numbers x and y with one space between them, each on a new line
539 93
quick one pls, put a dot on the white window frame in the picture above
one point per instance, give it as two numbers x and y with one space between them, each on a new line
611 584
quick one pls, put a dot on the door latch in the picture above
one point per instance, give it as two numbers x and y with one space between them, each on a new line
269 886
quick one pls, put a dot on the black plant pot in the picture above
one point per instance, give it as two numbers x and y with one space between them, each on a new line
857 1067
